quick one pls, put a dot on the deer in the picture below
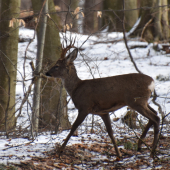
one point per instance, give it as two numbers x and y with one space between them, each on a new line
103 95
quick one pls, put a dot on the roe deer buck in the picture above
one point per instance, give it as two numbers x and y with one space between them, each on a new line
103 95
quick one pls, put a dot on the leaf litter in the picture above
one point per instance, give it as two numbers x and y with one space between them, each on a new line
101 155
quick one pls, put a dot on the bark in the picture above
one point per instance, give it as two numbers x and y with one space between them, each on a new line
50 114
154 24
26 5
66 6
114 18
39 59
131 16
91 22
165 20
8 63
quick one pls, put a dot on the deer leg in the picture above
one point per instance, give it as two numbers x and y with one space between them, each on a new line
152 109
80 118
148 112
106 120
156 132
150 123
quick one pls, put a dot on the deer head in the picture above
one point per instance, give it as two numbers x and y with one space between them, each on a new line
62 66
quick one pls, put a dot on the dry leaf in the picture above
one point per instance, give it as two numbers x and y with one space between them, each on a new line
62 164
99 14
57 8
68 161
117 159
68 27
11 22
36 19
9 139
21 21
48 15
77 16
57 166
82 14
27 144
14 20
76 11
116 118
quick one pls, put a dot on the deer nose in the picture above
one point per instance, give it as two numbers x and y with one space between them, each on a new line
47 74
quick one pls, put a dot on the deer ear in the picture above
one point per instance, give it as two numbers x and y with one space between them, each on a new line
72 56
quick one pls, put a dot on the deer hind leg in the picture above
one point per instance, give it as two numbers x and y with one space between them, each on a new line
140 141
149 113
149 124
107 122
80 118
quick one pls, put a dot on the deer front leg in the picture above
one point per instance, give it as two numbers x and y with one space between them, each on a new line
80 118
106 119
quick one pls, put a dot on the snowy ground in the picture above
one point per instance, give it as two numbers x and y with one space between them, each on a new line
104 59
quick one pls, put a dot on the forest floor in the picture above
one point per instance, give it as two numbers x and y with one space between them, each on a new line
101 155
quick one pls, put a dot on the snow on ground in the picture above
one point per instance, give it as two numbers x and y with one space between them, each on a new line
104 59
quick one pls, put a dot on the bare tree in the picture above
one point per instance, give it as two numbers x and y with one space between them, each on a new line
8 62
91 22
51 92
39 59
113 14
154 24
65 9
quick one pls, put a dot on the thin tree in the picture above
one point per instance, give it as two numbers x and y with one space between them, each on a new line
39 60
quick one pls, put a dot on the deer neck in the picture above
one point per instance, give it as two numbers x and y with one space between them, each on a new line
71 81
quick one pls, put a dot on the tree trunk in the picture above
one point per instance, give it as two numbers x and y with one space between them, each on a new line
50 114
37 86
113 19
154 24
91 23
8 62
66 6
165 20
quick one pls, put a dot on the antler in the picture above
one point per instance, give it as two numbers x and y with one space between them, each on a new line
64 50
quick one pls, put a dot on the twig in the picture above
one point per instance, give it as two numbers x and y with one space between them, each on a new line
87 65
145 144
159 106
17 145
125 39
146 26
